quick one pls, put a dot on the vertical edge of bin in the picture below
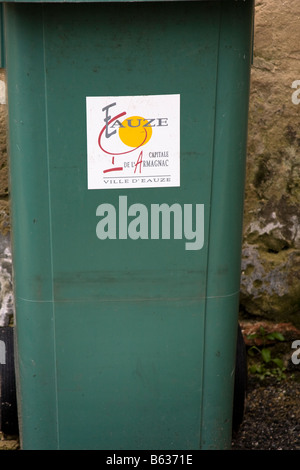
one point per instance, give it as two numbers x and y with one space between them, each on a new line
31 219
226 221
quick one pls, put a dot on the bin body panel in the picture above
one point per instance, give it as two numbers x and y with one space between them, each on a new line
120 340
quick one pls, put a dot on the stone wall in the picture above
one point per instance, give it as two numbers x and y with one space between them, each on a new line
270 279
6 296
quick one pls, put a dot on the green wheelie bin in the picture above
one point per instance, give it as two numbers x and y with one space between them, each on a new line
127 145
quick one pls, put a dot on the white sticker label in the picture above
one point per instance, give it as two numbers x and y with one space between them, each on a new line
133 141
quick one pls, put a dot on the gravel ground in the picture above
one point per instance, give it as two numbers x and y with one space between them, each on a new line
272 416
272 411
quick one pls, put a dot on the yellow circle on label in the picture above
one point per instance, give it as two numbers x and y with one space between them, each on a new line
134 133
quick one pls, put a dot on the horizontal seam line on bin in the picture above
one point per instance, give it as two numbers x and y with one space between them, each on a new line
133 299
